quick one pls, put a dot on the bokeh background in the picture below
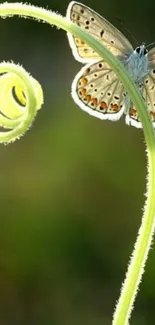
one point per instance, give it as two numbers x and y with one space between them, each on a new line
72 189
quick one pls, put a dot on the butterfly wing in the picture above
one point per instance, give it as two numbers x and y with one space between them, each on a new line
98 27
99 92
151 58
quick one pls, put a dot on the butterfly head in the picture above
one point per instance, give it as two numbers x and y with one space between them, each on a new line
141 50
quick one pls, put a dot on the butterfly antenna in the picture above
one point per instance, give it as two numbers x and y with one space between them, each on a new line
150 44
129 32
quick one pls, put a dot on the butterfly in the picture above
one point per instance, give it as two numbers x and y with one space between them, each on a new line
96 88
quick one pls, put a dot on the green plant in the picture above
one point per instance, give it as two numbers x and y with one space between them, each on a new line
29 93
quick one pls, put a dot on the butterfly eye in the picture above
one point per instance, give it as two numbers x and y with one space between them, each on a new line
145 51
138 49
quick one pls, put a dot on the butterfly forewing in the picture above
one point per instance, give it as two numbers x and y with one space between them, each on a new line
98 27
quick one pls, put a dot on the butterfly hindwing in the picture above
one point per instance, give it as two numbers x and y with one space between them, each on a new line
147 89
98 91
149 94
98 27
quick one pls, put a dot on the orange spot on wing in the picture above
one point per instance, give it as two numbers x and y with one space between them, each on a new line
133 112
103 105
84 96
83 91
83 81
94 102
115 107
87 98
152 114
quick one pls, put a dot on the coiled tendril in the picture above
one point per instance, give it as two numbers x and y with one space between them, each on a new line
21 96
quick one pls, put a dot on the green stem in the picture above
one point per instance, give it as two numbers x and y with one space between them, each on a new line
139 256
141 249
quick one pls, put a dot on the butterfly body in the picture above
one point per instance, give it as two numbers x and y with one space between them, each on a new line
96 88
137 63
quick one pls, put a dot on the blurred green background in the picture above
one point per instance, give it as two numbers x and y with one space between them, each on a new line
72 189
